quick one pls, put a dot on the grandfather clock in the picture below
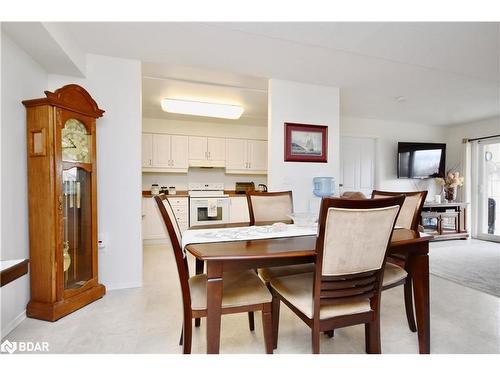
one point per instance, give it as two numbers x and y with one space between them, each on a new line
62 202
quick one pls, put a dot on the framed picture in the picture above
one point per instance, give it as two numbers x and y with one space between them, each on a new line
306 143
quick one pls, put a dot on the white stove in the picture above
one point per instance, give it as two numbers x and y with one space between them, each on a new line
208 204
211 189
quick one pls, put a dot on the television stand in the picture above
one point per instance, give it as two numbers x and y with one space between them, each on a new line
445 221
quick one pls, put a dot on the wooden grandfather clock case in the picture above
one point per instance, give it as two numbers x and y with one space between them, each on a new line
61 132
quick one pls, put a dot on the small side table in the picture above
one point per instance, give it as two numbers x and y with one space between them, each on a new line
442 214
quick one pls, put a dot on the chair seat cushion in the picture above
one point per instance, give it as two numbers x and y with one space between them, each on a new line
240 288
298 290
393 274
267 274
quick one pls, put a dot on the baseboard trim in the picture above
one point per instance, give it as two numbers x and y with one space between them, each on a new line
155 241
13 324
123 286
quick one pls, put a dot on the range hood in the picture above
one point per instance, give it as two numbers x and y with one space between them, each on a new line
207 163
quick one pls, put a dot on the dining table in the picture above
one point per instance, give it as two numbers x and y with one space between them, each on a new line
217 256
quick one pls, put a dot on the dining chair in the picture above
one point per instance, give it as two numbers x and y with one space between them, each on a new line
273 207
345 287
398 267
243 291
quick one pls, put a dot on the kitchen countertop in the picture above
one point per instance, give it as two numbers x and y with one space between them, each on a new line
184 193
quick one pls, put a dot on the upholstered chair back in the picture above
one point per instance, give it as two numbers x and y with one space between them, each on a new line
356 239
409 216
272 207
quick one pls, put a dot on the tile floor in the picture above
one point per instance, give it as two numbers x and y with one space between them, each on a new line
148 320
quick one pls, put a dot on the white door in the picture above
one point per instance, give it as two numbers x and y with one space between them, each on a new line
236 154
357 169
161 150
197 148
216 149
179 151
147 150
257 155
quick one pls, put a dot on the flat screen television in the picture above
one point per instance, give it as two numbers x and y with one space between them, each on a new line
421 160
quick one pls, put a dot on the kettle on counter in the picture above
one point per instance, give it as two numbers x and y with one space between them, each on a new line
262 187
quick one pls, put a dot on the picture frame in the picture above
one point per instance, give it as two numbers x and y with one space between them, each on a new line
306 143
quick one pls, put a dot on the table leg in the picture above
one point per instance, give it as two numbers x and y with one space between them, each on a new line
214 306
420 275
199 268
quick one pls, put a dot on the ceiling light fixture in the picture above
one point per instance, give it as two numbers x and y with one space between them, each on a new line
189 107
400 99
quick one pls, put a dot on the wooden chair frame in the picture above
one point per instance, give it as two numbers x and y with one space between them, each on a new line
344 288
402 260
188 313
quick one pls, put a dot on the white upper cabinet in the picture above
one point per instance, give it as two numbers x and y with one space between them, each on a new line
236 154
164 153
147 150
207 152
161 151
216 149
176 153
197 148
246 156
257 155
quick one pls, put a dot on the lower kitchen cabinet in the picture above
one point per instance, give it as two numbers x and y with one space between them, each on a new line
153 227
238 210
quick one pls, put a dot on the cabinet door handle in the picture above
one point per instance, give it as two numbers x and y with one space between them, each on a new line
249 165
206 155
209 154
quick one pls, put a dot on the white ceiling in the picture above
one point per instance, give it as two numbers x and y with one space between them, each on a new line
165 81
448 72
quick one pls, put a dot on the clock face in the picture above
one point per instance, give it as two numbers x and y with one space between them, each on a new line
75 142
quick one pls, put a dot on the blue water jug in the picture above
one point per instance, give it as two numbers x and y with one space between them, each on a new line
324 186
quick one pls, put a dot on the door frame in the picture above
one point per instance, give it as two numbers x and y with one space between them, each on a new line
477 174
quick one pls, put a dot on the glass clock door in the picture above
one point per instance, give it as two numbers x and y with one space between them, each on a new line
77 227
76 148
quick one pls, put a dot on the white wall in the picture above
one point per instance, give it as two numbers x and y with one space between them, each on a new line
115 84
201 128
307 104
204 128
22 78
455 135
387 135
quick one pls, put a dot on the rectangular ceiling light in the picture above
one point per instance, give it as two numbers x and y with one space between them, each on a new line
188 107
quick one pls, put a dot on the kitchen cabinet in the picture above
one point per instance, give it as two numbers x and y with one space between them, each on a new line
164 153
147 150
238 210
207 152
246 156
153 227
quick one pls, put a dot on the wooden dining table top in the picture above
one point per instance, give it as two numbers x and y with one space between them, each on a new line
284 247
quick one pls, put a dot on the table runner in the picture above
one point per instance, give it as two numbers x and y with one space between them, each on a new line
191 236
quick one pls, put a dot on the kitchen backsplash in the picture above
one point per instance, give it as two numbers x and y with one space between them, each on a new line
181 180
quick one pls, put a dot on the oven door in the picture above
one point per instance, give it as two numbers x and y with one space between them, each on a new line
199 214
